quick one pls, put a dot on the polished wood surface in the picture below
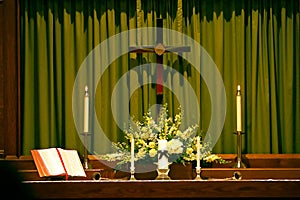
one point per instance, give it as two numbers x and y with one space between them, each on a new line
164 189
267 175
206 173
261 166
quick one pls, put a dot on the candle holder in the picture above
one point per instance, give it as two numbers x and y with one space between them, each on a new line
163 174
198 174
85 155
239 163
132 171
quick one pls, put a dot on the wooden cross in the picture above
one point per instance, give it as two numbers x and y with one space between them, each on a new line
159 49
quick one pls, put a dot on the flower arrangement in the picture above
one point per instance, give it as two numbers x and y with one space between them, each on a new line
181 144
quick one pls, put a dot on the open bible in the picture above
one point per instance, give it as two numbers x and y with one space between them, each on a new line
57 162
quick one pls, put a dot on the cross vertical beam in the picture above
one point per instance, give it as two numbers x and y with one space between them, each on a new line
159 49
159 64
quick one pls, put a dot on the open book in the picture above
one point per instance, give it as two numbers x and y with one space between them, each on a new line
57 162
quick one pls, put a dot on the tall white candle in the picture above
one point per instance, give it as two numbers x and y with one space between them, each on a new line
86 111
198 151
132 152
163 160
238 109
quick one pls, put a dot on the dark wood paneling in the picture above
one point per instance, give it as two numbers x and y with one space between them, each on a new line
1 81
9 84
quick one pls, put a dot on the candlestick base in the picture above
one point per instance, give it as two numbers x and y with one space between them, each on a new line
86 163
163 174
239 164
198 174
85 156
132 171
132 176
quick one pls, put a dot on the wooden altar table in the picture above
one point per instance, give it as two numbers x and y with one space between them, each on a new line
266 176
216 188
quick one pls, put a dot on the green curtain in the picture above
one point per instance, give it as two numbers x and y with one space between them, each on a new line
254 44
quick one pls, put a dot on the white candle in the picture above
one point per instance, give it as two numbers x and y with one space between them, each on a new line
198 152
132 152
86 111
239 109
163 161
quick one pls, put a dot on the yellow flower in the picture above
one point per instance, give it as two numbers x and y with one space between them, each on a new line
211 158
152 145
144 129
189 150
191 157
152 153
141 153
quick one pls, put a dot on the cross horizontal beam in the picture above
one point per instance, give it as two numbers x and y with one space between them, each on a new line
151 49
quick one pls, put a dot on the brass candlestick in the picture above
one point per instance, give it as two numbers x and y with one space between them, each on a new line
198 174
198 167
86 126
85 155
239 163
132 174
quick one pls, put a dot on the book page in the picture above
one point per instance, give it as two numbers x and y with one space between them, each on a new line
52 161
72 162
39 163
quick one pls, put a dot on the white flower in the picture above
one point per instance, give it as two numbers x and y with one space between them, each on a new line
175 146
145 135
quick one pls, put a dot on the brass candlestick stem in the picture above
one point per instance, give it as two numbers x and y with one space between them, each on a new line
132 171
239 163
86 160
85 155
132 175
